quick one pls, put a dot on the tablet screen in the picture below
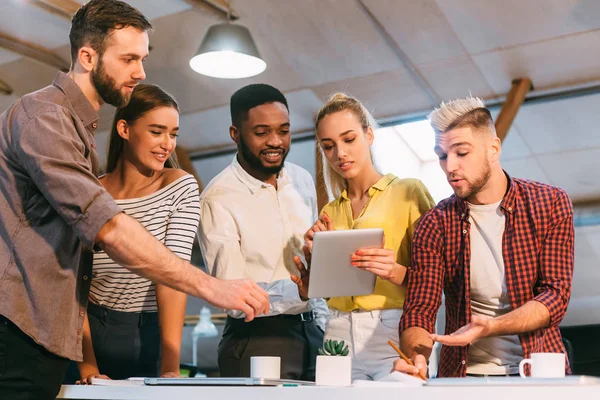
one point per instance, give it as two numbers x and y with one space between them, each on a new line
331 271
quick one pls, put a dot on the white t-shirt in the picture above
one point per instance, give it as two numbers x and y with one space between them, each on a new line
497 355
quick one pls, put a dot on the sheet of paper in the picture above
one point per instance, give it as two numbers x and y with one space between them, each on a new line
394 379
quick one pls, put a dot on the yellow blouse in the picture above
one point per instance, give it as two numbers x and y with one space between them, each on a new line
395 205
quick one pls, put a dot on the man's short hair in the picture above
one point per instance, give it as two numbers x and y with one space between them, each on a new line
252 96
459 113
93 23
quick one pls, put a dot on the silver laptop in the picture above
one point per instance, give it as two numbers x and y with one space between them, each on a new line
331 274
224 382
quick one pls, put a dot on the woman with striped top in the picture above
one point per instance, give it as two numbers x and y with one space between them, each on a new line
132 321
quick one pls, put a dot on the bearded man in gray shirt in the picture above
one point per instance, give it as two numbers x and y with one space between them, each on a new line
53 210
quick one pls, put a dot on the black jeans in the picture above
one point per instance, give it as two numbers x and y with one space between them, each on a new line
126 344
27 370
285 336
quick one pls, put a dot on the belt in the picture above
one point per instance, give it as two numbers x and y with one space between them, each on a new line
132 318
308 316
304 317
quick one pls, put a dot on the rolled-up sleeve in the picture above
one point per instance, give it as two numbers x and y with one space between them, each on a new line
553 288
54 156
425 276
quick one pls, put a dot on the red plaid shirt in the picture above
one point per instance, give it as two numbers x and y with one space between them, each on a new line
537 248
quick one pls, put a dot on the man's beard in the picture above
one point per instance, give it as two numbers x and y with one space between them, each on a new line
107 87
256 163
475 187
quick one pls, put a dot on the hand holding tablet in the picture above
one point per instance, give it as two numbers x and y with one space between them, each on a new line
331 271
362 260
324 223
381 262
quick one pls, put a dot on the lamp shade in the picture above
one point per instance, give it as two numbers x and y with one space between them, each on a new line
228 51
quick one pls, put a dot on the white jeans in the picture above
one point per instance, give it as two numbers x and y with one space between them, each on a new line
366 333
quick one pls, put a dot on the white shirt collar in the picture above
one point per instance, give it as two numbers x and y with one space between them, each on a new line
255 184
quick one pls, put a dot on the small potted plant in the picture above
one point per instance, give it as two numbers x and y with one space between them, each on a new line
334 368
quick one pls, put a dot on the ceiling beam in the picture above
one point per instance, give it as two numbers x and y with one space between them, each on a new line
62 8
33 51
5 88
411 68
219 8
510 108
586 202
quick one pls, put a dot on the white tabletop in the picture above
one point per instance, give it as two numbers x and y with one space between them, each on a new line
329 393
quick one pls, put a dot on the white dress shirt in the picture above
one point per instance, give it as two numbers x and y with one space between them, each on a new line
250 230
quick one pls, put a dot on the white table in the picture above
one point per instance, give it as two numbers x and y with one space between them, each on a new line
330 393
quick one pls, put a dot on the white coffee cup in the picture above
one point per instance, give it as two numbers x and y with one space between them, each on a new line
265 367
544 365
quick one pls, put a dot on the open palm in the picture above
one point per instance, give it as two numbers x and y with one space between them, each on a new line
477 329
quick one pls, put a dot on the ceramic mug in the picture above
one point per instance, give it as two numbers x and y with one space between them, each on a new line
544 365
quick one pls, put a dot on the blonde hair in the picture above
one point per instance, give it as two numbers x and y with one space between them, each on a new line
335 184
470 111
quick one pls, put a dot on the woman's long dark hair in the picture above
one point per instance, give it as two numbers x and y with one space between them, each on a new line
144 98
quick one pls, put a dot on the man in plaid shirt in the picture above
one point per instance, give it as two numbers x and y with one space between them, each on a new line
501 249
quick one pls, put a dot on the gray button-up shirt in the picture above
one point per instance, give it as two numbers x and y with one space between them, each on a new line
51 209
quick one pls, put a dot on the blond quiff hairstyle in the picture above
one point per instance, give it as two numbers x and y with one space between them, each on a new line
470 111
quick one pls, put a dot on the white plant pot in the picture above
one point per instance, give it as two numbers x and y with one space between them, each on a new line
334 371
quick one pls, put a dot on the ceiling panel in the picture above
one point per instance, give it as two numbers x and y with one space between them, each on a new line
558 62
32 24
419 28
513 145
455 78
192 91
25 75
385 94
330 33
562 125
158 8
304 105
492 24
576 172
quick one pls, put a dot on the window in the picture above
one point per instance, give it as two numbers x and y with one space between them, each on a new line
406 150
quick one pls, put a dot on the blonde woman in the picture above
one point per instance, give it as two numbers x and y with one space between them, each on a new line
365 198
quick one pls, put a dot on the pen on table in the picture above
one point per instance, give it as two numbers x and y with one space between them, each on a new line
401 354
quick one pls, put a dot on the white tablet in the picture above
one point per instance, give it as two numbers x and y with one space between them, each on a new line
331 274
